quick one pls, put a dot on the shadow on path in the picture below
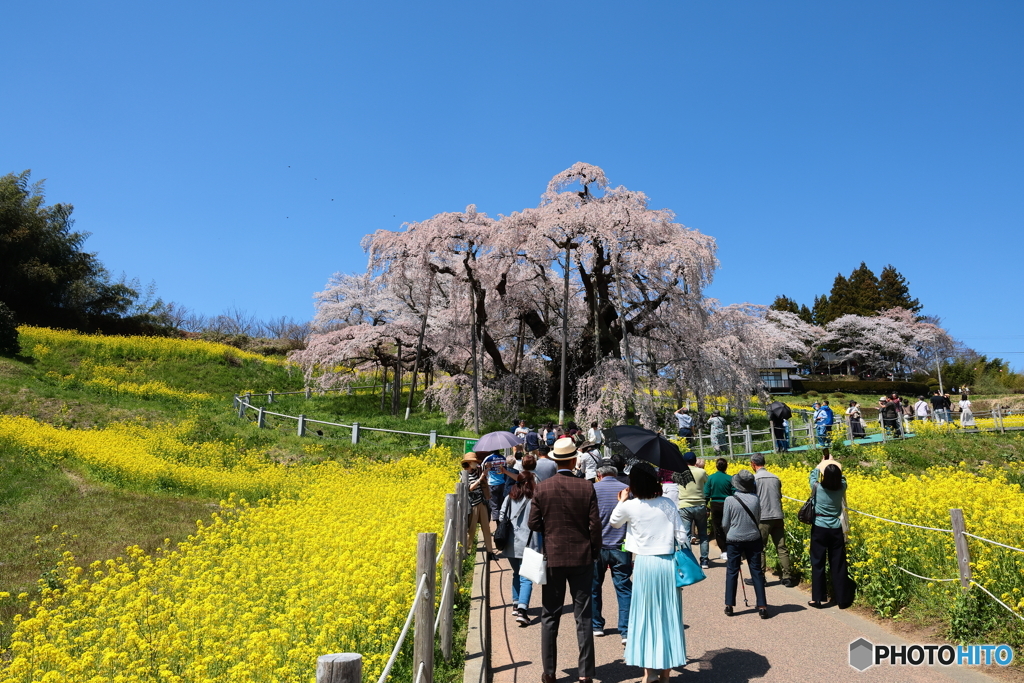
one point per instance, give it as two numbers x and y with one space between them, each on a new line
728 664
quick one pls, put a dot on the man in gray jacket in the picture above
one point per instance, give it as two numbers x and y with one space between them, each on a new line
740 518
769 494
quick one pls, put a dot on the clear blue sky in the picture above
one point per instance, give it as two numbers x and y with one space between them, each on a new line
236 152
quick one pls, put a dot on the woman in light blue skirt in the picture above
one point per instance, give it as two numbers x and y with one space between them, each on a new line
656 641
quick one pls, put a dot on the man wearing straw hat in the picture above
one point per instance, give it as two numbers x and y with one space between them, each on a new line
565 511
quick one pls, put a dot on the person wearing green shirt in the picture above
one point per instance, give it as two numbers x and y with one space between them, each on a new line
718 487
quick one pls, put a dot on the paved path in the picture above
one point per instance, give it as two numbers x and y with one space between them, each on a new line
797 644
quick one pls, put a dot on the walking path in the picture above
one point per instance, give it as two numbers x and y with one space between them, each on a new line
798 643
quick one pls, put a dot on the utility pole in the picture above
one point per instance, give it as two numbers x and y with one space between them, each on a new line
565 333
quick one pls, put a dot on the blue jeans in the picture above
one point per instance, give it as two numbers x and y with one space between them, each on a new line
823 434
522 587
622 569
697 515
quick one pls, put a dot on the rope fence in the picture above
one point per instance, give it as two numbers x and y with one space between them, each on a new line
960 535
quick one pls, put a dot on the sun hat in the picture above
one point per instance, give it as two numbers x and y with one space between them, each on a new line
470 457
564 449
743 481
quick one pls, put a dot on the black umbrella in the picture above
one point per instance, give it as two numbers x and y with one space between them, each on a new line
779 411
643 444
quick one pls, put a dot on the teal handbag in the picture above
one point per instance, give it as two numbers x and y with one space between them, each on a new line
688 571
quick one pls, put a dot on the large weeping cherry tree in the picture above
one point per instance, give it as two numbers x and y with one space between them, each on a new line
592 283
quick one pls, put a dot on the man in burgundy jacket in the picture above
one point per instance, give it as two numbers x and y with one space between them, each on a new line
565 510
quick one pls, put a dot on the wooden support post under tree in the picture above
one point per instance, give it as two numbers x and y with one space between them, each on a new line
346 667
476 367
449 570
419 346
423 639
963 553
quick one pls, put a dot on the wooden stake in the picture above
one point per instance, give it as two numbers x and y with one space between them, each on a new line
963 553
339 668
423 640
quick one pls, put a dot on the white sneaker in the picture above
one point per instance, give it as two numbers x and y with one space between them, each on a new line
598 632
725 556
623 640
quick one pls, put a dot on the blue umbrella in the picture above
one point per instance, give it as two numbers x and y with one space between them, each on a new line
496 441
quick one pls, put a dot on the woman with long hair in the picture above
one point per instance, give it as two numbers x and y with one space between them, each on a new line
828 538
656 641
516 509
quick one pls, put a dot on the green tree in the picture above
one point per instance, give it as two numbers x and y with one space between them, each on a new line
784 303
9 344
863 292
820 310
45 277
893 291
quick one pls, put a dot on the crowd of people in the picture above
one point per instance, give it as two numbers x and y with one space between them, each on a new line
594 517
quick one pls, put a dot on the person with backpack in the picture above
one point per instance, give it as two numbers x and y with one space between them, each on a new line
741 519
828 537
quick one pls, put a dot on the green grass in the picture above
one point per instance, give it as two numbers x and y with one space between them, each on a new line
45 510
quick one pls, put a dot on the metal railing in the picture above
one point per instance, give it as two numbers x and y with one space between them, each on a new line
243 405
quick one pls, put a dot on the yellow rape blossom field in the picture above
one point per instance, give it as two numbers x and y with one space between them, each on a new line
39 341
256 595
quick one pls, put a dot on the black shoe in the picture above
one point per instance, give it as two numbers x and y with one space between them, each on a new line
763 611
814 603
728 610
492 557
749 582
790 583
845 605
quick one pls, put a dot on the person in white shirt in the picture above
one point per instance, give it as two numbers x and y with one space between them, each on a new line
522 430
922 408
656 640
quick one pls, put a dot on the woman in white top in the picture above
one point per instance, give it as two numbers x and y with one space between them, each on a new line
656 641
966 416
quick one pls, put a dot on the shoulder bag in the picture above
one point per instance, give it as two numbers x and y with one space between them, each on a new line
806 513
503 533
688 571
534 565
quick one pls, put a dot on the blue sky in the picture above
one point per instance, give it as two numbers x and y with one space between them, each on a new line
236 153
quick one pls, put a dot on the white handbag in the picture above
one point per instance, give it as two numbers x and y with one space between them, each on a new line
534 565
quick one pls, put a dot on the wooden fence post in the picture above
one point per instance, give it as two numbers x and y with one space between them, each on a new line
963 554
748 439
728 433
999 418
302 425
309 393
700 442
241 408
339 668
449 568
261 421
460 522
270 399
423 641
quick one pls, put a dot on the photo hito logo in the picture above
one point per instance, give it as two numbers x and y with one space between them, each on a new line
865 654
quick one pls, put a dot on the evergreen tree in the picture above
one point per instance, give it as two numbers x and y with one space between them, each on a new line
863 292
47 279
805 315
893 291
840 299
819 313
9 345
784 303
